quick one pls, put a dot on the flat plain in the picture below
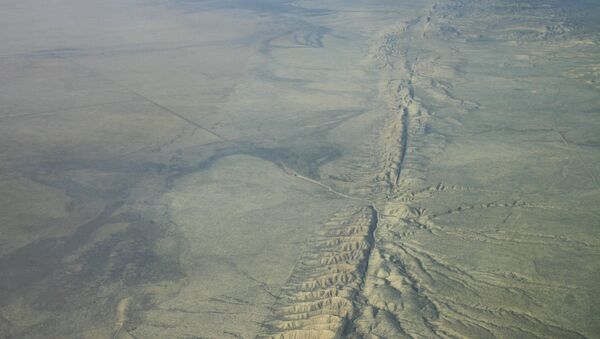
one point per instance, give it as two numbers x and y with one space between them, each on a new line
300 169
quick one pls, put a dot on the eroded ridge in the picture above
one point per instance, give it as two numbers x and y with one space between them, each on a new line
411 290
408 119
405 286
404 116
319 299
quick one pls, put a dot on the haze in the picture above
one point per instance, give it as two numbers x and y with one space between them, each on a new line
299 169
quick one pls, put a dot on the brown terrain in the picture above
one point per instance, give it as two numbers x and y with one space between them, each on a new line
300 169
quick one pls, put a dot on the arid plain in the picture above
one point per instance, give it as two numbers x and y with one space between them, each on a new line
299 169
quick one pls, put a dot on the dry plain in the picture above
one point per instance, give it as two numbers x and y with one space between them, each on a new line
299 169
